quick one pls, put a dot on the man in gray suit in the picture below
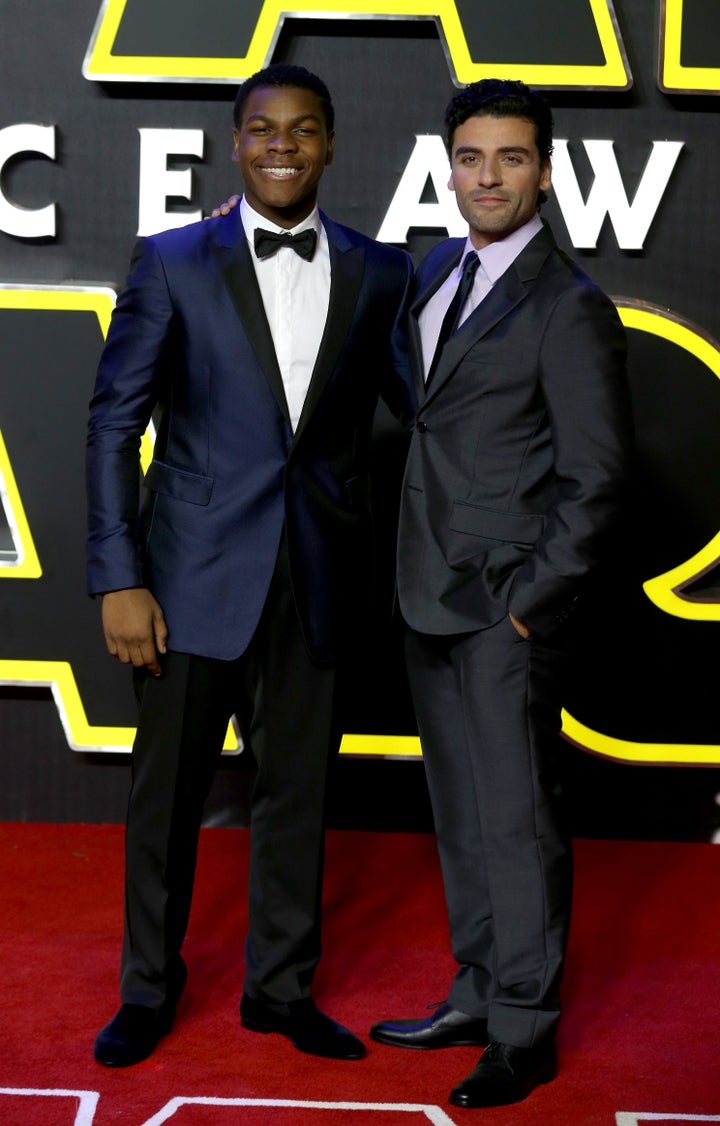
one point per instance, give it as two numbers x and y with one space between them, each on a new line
517 465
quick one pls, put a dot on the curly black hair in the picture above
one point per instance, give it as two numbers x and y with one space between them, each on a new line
499 97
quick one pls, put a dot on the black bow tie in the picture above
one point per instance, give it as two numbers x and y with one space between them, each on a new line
267 242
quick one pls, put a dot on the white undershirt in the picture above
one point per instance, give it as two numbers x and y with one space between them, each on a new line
295 294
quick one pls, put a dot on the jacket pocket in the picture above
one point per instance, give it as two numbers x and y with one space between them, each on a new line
509 527
178 483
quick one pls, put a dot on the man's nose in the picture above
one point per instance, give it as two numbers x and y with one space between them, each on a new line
282 141
489 172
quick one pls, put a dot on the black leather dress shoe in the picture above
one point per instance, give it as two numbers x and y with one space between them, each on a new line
506 1074
303 1023
135 1030
446 1028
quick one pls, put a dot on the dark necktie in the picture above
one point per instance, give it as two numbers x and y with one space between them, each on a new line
267 242
452 316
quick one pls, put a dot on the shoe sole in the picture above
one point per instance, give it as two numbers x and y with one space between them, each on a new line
380 1039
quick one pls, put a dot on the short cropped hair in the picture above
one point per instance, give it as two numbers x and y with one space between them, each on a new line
284 74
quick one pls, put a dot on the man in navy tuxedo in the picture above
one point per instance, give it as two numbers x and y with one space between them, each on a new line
259 340
516 471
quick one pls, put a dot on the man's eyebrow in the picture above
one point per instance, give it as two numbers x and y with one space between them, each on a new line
463 150
295 121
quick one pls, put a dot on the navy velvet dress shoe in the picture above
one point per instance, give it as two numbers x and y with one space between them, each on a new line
446 1028
303 1023
135 1030
133 1034
505 1074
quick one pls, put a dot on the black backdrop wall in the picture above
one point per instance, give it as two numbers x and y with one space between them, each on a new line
92 102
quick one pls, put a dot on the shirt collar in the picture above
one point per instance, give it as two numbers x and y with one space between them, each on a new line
252 219
498 256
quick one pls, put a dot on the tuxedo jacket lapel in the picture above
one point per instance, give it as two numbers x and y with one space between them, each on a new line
347 267
233 257
347 264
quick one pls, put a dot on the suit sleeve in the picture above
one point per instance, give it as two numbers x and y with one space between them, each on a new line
126 391
583 379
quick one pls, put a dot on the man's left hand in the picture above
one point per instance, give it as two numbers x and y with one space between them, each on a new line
522 629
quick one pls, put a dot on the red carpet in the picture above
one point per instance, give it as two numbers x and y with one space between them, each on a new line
640 1040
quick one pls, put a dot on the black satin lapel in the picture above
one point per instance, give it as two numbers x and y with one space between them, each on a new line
417 362
500 301
347 269
239 277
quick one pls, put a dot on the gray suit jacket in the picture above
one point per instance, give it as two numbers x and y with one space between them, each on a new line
521 448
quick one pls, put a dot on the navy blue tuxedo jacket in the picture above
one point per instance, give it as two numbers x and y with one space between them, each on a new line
521 451
190 345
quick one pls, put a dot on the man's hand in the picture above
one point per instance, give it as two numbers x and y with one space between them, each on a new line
134 628
224 208
520 627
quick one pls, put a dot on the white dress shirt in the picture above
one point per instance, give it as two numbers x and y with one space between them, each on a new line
296 294
495 259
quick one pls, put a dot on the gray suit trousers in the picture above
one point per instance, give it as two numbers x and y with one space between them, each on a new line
488 710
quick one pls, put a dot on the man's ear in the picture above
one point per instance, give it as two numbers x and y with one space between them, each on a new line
330 148
236 141
451 184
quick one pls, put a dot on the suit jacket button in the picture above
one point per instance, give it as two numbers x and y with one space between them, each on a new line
421 427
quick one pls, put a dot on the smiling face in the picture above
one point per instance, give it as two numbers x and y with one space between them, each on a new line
497 174
282 145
